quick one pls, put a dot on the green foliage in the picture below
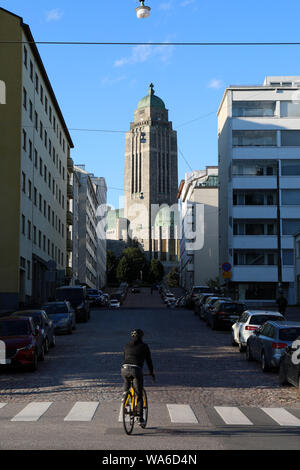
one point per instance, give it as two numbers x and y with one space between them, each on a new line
131 264
156 271
111 267
172 278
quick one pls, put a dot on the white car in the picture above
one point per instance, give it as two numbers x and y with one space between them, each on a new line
248 322
114 303
169 297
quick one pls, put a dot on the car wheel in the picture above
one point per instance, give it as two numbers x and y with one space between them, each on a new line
282 377
264 365
42 355
53 344
249 356
213 324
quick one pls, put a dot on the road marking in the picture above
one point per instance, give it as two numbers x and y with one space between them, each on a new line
282 416
182 414
232 415
82 411
33 411
2 405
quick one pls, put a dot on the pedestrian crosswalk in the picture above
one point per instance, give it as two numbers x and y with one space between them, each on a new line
164 414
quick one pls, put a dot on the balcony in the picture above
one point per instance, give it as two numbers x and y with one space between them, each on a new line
70 165
255 273
69 218
260 242
69 244
254 212
69 191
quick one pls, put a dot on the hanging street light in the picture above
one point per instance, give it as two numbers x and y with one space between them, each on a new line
142 11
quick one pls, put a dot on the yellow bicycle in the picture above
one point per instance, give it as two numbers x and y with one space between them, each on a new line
130 409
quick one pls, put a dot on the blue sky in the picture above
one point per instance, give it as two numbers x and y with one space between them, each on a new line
98 87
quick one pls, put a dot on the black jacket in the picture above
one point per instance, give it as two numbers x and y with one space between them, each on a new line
136 352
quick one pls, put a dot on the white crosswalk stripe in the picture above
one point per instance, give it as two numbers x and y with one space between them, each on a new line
282 416
232 415
181 414
82 411
2 405
32 412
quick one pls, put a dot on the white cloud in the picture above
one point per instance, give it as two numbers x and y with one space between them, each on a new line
186 3
215 83
142 53
54 15
165 6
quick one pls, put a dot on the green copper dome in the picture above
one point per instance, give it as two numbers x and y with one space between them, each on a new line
151 100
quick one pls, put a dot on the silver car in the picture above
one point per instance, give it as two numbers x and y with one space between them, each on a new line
248 322
269 341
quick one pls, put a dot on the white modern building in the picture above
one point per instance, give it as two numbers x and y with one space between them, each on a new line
259 196
199 243
90 262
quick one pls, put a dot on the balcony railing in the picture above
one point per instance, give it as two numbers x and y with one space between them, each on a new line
69 244
69 218
70 164
69 191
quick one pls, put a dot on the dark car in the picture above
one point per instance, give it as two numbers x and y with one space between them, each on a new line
23 342
77 296
199 301
62 315
94 296
194 293
268 343
46 326
224 313
289 366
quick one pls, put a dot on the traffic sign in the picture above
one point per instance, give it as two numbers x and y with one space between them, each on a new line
226 274
226 267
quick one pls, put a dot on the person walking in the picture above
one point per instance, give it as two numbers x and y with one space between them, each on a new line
282 304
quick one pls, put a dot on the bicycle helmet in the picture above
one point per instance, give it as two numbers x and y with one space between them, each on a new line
137 333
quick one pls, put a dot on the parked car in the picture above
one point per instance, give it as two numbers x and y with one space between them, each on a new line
248 322
208 304
62 315
43 322
269 341
194 292
135 290
94 296
114 303
77 296
23 342
180 302
199 301
225 313
169 296
105 299
289 366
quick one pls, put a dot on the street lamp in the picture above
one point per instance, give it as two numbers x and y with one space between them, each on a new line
142 11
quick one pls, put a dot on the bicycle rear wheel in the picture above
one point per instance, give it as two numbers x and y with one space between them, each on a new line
145 409
127 413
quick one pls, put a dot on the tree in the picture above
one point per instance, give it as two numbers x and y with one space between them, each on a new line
111 267
156 271
172 278
131 265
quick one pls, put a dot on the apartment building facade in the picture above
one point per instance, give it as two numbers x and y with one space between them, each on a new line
259 195
199 240
91 260
35 148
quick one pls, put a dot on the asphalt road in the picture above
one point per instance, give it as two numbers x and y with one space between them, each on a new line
206 396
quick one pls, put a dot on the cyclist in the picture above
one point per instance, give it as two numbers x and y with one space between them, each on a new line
136 352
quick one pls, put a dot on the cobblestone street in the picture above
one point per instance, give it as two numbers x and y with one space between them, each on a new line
193 364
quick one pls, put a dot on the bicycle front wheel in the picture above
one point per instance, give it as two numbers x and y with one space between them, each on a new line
127 412
145 409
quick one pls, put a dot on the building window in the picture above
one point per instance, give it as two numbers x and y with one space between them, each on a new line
35 196
290 138
28 270
41 167
35 158
24 140
30 110
42 94
36 83
290 108
23 225
290 197
254 138
30 149
288 257
28 229
253 108
40 239
24 98
254 198
255 257
254 168
34 234
41 130
40 202
290 167
290 226
29 189
36 119
25 56
31 71
23 182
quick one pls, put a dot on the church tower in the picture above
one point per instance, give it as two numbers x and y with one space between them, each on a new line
151 177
